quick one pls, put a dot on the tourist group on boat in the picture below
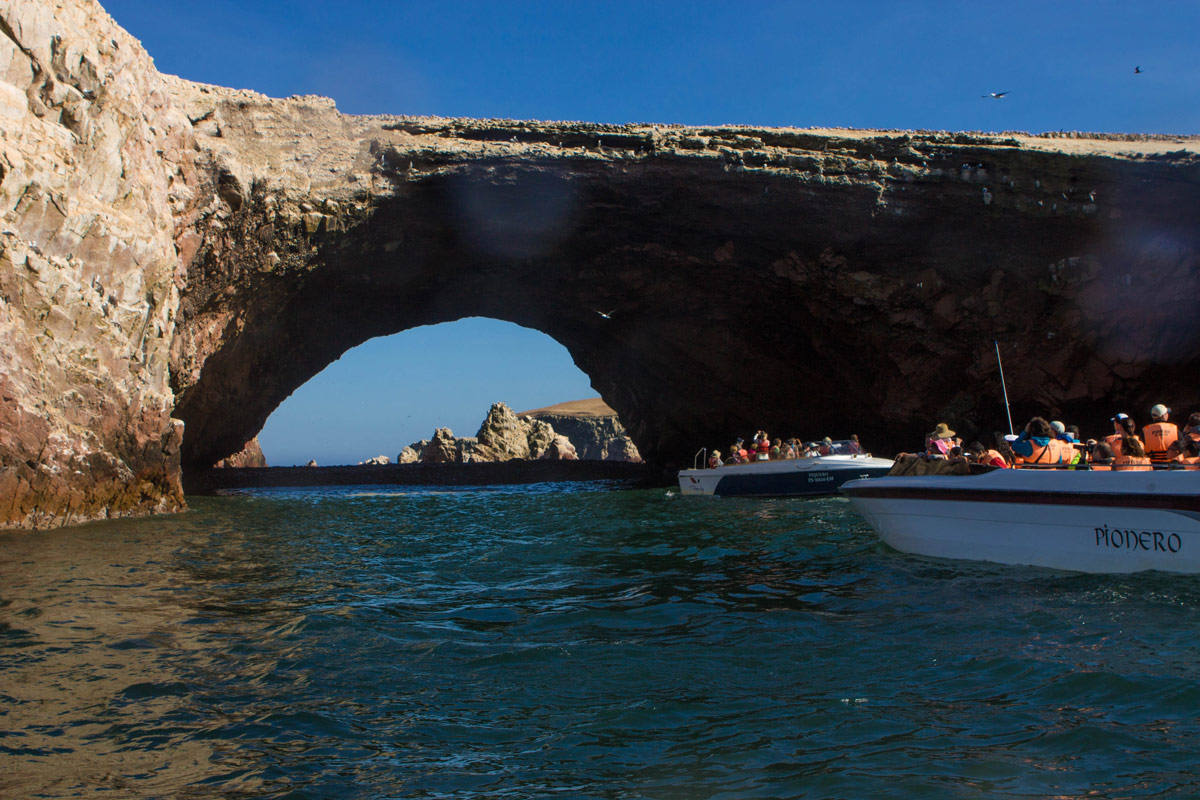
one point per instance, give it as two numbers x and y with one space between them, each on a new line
763 448
1053 445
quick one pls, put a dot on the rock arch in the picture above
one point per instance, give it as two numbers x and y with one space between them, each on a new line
171 249
806 282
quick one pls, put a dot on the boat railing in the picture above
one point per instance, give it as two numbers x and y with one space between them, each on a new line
700 458
1093 467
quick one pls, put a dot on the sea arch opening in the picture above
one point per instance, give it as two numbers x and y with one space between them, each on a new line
392 391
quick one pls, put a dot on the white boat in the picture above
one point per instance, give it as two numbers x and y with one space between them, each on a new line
1113 522
789 477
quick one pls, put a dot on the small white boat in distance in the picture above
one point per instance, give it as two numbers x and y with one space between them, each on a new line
790 477
1112 522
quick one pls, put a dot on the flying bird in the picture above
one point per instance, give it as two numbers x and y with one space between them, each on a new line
1137 70
996 95
607 315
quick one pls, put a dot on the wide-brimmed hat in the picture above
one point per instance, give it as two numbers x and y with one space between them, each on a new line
1159 411
942 431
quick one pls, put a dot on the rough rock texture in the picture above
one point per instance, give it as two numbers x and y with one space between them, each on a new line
593 429
205 251
441 449
97 176
504 436
809 282
561 449
250 456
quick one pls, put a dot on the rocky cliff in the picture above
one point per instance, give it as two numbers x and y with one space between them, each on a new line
592 428
178 254
97 179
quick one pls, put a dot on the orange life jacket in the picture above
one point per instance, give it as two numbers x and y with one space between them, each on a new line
993 456
1159 437
1131 464
1114 441
1100 467
1051 455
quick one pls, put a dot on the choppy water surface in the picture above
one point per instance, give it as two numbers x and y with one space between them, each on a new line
575 641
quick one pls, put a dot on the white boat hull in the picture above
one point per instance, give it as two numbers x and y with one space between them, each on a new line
794 477
1110 522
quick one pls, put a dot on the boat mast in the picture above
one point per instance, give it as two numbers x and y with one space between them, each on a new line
1007 410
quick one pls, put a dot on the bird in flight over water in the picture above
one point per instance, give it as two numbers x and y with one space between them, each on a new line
996 95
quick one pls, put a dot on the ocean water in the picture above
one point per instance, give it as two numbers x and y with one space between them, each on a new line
575 640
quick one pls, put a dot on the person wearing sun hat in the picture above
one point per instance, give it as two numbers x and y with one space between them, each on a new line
1160 434
941 441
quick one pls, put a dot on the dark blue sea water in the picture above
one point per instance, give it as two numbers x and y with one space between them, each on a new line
575 641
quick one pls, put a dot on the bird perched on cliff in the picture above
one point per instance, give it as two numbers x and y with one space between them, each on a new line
995 95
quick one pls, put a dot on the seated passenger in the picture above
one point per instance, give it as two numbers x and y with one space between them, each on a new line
714 460
940 440
1101 457
1160 434
982 455
1189 435
1037 445
1189 455
1123 426
1063 434
1132 457
855 447
1002 447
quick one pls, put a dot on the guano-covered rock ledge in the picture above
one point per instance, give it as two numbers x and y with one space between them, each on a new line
176 259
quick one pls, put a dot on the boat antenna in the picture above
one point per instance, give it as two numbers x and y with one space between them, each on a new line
1007 410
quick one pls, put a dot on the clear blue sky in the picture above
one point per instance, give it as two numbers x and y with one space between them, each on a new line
877 64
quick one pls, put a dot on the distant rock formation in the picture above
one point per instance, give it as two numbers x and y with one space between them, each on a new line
503 436
592 428
250 456
441 449
377 461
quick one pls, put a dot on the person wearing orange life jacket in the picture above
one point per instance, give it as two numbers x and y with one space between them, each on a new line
1189 438
982 455
1101 457
1037 446
1188 456
1070 454
1160 434
1132 457
1123 427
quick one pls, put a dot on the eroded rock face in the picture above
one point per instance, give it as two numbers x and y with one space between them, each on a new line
97 176
199 253
441 449
593 429
249 456
711 282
